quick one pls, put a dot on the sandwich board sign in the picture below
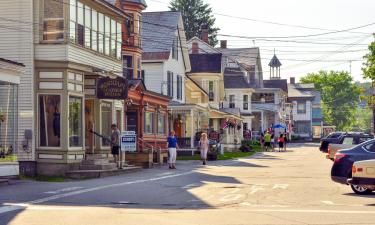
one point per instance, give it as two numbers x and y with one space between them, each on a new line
128 141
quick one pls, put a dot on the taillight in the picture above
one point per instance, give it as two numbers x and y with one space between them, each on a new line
339 156
329 149
354 170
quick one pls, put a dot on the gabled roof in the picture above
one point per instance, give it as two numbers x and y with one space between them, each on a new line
295 92
275 62
205 63
234 79
246 57
159 30
281 84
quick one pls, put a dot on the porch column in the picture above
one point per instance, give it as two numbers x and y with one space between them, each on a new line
262 120
192 128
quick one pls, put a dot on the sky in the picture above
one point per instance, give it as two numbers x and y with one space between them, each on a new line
272 25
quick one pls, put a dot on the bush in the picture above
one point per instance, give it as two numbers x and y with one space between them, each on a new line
245 148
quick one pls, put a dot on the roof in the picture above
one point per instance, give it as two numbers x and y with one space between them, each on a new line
12 62
275 62
158 39
136 82
282 84
246 57
205 63
234 79
112 4
196 84
141 2
295 92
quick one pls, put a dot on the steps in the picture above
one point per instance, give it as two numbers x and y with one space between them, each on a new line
96 166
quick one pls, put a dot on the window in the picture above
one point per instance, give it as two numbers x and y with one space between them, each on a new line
128 66
370 147
302 127
139 68
170 84
211 94
143 75
107 35
87 27
119 41
175 49
73 20
80 24
301 107
113 38
245 126
149 120
348 141
75 122
49 120
363 139
101 32
106 114
179 87
53 21
232 103
161 123
94 31
246 102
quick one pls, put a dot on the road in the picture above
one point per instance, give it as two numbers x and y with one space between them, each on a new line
291 187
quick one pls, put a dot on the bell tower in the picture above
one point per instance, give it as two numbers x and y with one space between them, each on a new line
275 65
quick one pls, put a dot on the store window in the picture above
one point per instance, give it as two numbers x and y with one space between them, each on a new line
49 120
53 21
106 111
149 120
161 123
75 121
89 124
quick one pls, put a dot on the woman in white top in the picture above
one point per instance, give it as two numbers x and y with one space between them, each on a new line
204 145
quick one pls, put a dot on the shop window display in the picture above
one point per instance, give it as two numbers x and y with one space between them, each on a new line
106 110
49 120
75 121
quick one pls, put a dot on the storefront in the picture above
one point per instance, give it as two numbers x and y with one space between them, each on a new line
10 73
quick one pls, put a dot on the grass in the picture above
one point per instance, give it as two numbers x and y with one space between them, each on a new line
9 158
226 156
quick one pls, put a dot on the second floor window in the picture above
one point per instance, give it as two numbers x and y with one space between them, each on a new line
211 93
53 21
245 102
232 103
128 67
170 83
301 107
175 49
179 87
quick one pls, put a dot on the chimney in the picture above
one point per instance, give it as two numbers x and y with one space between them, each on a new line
223 44
292 80
195 48
204 33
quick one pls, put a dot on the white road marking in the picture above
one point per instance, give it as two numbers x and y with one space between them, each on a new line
230 198
280 186
63 190
256 188
266 206
328 202
11 208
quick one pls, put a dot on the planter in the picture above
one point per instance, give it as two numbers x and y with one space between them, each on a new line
143 159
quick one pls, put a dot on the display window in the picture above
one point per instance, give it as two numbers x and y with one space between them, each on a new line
106 114
49 120
75 122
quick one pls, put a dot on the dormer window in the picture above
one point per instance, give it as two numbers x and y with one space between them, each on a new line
53 21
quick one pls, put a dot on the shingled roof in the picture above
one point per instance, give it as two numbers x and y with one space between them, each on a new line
298 91
205 63
234 79
282 84
246 57
159 29
275 62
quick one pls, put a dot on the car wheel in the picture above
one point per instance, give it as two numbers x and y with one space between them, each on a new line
360 190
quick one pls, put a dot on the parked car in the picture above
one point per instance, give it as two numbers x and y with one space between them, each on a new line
363 175
346 141
331 138
342 167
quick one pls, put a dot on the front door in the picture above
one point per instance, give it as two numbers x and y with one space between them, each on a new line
89 125
177 126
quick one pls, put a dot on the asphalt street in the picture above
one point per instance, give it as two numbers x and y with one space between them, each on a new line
291 187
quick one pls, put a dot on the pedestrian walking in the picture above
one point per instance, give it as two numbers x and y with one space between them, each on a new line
273 145
261 140
115 142
204 144
172 150
281 142
267 141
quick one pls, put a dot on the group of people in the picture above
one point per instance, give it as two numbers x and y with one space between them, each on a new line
269 141
203 146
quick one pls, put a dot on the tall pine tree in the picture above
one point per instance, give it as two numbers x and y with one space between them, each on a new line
194 14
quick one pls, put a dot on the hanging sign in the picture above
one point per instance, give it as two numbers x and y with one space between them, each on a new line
109 88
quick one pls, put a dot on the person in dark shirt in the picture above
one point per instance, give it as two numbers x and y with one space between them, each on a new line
172 150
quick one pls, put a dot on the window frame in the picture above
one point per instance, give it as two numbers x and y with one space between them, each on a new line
81 97
161 115
305 107
130 76
60 19
232 101
152 122
101 121
170 84
245 105
211 93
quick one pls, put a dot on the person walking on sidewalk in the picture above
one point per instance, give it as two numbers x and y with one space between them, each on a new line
115 143
172 150
267 141
281 142
204 144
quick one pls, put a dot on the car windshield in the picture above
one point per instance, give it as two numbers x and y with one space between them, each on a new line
334 135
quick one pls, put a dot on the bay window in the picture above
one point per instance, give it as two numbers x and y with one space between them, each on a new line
119 41
49 120
301 107
80 24
113 38
75 122
73 21
107 34
128 66
94 31
53 21
87 27
101 33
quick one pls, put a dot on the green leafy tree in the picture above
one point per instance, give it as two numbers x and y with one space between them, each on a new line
340 97
369 69
194 14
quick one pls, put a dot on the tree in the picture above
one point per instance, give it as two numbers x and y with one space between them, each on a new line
369 70
340 97
194 14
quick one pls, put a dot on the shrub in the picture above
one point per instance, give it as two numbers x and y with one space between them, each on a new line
245 148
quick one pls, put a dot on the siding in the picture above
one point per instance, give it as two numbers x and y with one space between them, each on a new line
51 52
178 68
154 77
302 117
238 99
16 44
